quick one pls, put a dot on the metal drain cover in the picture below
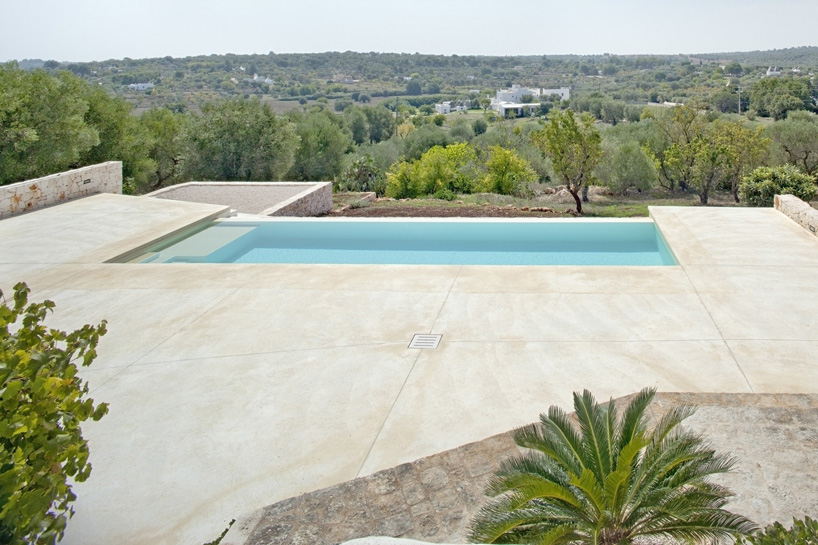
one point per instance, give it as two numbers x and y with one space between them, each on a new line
425 341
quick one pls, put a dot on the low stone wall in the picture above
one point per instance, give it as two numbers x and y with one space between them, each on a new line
56 188
798 211
313 201
260 198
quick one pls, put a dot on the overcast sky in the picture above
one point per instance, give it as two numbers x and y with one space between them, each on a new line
86 30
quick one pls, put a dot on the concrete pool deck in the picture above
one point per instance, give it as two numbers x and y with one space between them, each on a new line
235 386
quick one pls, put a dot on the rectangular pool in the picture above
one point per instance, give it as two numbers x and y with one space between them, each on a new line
545 242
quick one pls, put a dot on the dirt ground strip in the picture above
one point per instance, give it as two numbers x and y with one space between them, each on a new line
773 437
450 211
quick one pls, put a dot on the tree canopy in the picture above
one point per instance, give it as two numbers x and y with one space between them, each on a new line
43 128
239 139
774 97
574 148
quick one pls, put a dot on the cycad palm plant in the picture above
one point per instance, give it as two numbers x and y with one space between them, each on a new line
608 481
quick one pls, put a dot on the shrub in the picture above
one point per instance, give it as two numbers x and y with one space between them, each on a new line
402 183
803 532
445 195
452 167
507 173
760 186
363 175
42 403
608 480
341 105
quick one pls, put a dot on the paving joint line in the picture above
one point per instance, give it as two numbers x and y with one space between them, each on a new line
716 325
443 304
388 413
213 305
406 379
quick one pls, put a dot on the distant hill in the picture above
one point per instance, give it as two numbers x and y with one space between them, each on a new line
336 79
806 56
31 64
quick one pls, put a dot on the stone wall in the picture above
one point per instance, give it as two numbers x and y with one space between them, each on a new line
798 211
316 200
56 188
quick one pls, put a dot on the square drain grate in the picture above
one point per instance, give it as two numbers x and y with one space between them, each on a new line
425 341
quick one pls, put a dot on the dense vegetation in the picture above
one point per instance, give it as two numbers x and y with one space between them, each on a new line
182 82
326 117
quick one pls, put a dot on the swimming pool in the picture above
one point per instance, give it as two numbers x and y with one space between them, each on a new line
433 242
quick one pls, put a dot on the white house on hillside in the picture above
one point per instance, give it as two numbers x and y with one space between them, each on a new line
512 99
140 86
563 92
452 106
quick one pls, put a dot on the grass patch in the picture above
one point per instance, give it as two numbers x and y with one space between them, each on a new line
600 206
625 210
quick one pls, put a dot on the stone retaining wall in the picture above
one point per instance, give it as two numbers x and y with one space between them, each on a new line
259 198
314 201
798 211
56 188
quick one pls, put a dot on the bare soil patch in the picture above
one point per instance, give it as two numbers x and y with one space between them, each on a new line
454 210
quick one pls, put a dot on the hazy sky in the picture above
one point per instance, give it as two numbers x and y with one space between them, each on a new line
85 30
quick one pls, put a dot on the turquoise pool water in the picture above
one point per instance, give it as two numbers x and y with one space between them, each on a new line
419 242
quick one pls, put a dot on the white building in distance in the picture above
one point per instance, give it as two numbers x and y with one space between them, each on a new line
140 86
512 99
452 106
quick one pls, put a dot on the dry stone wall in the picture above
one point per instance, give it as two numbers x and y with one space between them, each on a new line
798 211
56 188
314 201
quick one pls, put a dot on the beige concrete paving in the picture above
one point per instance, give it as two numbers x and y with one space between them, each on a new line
234 386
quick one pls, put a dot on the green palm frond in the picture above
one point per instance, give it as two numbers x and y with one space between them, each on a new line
632 422
561 534
498 520
591 491
596 441
526 464
538 438
607 480
530 487
705 525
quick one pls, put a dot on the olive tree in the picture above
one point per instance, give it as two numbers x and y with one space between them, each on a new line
239 139
625 165
42 404
574 149
744 149
796 140
42 123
